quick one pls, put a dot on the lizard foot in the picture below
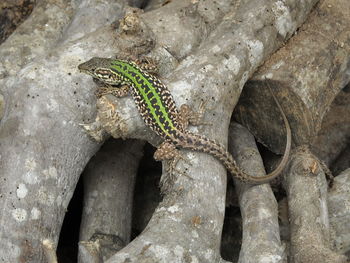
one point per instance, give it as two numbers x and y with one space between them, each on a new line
188 116
168 152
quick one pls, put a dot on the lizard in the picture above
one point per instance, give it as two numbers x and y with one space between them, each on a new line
159 112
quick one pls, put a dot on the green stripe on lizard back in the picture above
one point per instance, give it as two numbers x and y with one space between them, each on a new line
150 95
153 100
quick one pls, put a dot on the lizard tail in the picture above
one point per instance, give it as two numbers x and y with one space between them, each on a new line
201 143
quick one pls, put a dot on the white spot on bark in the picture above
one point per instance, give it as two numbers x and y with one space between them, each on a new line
194 259
270 258
194 234
35 213
284 20
52 105
208 254
179 87
264 213
59 200
31 178
45 197
50 173
220 205
179 251
278 64
267 76
181 84
186 48
208 68
187 62
160 252
190 74
21 191
29 72
173 209
19 214
161 209
30 164
202 60
233 64
256 51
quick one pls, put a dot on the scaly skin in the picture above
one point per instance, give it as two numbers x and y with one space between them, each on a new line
158 110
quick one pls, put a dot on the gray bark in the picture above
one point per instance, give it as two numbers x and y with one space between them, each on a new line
35 36
339 212
261 238
233 50
46 100
334 134
308 211
109 181
89 252
200 74
305 75
43 147
49 250
342 162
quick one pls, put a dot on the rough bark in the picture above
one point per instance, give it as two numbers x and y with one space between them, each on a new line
35 36
335 131
43 147
109 181
44 105
210 39
12 13
306 189
49 250
234 50
89 252
201 74
261 238
342 162
339 212
305 75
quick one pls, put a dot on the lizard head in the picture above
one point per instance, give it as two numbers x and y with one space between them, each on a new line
101 69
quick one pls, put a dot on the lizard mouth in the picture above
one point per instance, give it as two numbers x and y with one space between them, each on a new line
83 70
83 67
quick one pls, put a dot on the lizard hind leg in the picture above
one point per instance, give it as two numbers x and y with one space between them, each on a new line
167 152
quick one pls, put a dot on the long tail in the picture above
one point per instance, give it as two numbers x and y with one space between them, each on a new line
197 142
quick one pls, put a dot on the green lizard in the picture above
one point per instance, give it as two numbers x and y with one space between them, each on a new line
158 110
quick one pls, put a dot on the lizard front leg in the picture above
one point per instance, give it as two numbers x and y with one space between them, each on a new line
148 64
188 116
118 91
